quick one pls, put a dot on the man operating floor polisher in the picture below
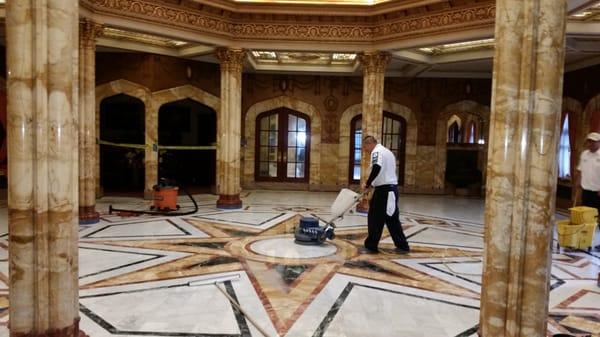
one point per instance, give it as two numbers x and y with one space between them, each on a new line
310 233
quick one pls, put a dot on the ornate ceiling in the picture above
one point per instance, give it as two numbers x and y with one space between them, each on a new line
446 38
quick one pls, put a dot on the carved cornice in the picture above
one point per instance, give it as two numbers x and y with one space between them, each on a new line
374 62
231 59
88 32
252 26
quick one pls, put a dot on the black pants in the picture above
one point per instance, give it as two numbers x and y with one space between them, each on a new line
590 199
378 217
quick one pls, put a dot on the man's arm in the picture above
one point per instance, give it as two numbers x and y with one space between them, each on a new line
374 173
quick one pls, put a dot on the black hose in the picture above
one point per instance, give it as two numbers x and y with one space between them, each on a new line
167 213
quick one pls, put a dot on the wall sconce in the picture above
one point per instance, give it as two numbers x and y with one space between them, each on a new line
188 72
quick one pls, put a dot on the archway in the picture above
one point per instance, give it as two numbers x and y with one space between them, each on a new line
183 127
467 159
410 151
282 140
393 137
250 132
122 166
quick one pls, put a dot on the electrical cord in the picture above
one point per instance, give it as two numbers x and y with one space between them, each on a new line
165 213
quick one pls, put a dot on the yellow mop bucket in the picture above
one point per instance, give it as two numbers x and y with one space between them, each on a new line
575 236
583 214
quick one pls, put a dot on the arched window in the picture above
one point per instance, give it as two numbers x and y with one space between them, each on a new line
393 137
472 133
454 133
282 146
355 148
564 151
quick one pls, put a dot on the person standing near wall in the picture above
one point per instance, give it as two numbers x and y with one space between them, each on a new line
383 208
589 173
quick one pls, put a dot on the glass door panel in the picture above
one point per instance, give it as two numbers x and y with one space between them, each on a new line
283 143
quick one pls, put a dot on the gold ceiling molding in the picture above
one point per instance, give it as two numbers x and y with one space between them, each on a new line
251 26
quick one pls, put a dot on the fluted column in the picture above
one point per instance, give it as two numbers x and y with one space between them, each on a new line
42 49
374 64
88 31
521 177
229 128
151 150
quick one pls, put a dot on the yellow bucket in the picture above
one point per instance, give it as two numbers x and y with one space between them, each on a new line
575 236
583 214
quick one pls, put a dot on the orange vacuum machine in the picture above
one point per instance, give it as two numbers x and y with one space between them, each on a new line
165 198
164 202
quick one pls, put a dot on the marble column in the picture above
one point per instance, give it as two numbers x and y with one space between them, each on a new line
151 150
229 128
521 177
42 48
88 31
374 64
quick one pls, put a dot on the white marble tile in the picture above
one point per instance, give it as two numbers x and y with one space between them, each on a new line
590 300
149 315
562 296
468 209
349 220
98 262
402 313
262 220
436 237
287 248
157 229
462 271
575 265
366 306
171 307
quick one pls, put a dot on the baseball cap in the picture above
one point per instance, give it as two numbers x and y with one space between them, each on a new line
594 136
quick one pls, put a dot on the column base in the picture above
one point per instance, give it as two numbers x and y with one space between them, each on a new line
88 215
149 195
363 206
229 201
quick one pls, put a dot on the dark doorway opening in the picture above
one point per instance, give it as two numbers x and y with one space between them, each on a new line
188 123
462 172
122 168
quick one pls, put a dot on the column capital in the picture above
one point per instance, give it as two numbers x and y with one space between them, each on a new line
89 31
231 58
374 62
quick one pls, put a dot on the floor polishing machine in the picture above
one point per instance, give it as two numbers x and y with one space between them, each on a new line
309 232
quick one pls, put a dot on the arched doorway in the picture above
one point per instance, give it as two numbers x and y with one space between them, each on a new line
282 146
393 136
122 166
187 133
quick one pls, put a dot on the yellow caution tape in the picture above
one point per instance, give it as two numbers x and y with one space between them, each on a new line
160 147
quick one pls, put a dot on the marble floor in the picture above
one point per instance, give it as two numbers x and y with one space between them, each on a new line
139 275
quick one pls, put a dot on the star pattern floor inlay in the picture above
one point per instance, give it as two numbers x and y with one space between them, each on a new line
136 274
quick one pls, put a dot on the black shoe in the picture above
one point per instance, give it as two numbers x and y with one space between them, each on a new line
365 250
402 251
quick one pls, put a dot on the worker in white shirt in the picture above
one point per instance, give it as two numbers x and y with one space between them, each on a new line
383 207
589 169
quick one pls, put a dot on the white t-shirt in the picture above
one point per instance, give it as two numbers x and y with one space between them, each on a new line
384 158
589 165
